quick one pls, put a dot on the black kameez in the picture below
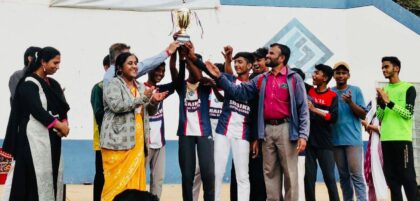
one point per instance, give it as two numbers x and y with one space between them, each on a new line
36 149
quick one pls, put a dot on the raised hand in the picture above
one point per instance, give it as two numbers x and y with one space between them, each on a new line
183 52
347 97
191 50
383 95
172 47
207 82
149 91
227 53
176 34
213 70
157 97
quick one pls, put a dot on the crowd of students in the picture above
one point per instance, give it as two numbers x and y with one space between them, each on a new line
263 113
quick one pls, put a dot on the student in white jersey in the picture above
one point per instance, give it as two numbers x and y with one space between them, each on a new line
233 130
156 153
215 109
194 129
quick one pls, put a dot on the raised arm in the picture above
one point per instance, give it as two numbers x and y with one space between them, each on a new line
196 72
195 62
245 91
218 95
150 63
172 68
227 54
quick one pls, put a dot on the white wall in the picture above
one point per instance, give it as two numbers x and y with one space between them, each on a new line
360 36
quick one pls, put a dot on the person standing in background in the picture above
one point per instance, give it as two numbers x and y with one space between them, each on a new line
395 111
156 155
28 57
37 123
323 107
347 134
96 101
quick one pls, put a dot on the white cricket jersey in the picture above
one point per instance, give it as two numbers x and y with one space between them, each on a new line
192 105
215 109
236 122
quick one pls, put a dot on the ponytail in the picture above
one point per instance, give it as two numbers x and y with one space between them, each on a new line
45 54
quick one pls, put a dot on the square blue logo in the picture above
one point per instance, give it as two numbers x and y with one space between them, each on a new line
306 49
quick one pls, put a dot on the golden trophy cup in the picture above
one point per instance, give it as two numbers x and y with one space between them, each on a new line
183 19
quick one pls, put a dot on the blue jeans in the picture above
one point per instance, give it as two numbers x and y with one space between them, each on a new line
349 160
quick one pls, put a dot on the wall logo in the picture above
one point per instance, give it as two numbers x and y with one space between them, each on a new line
307 49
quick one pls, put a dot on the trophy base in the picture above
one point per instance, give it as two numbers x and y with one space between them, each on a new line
183 39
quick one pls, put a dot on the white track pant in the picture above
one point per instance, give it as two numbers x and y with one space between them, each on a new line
240 154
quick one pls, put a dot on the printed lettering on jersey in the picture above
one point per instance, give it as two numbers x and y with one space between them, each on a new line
192 102
215 109
158 116
241 108
319 101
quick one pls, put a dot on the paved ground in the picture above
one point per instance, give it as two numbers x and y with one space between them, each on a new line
171 192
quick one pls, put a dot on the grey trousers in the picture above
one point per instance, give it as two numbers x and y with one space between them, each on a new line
280 158
197 181
156 162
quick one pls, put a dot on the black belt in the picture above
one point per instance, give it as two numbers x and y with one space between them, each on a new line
277 121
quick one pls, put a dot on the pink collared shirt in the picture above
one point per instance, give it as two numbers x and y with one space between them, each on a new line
276 97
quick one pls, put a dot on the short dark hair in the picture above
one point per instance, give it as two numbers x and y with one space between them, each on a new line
284 51
249 57
299 72
116 50
106 61
220 66
260 53
327 70
30 52
163 64
393 60
135 195
199 56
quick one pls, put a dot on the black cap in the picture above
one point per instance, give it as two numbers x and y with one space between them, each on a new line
327 70
260 53
246 55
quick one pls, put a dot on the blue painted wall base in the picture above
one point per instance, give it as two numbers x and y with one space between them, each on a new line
79 163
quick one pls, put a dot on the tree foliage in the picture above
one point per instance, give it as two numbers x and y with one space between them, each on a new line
411 5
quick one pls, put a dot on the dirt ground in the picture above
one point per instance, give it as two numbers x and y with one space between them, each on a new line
171 192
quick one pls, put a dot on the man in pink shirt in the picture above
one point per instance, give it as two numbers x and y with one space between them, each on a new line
283 119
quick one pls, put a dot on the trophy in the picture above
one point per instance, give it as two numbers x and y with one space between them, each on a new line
183 18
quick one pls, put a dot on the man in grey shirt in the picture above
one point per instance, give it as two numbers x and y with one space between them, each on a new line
28 57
